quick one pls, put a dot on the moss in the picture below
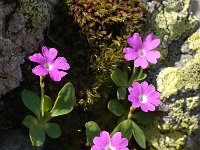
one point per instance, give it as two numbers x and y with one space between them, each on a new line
105 24
172 21
35 11
170 80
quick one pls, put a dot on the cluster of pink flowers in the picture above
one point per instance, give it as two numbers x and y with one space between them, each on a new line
141 94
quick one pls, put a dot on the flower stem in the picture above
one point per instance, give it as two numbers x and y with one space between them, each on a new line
42 94
130 113
132 77
141 70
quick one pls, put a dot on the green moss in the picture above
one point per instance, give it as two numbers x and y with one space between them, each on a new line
171 23
35 11
105 24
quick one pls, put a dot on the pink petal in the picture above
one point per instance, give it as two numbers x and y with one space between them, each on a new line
105 137
38 58
150 107
97 147
56 75
150 43
154 95
116 139
135 89
50 54
98 141
152 56
144 85
150 89
135 41
40 70
123 143
130 54
61 63
124 149
141 61
144 108
135 101
155 102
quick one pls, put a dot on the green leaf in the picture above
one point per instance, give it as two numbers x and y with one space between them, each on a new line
37 134
92 130
47 103
121 93
119 77
138 135
29 120
31 101
144 118
116 108
53 130
125 127
65 101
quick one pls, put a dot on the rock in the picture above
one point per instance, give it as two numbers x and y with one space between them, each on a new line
16 140
22 26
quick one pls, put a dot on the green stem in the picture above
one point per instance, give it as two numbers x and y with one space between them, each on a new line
132 77
42 95
138 77
130 113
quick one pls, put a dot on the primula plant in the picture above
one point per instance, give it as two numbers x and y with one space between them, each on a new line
141 95
42 107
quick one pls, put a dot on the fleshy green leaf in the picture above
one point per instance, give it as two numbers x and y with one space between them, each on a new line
65 101
125 127
116 108
144 118
121 93
37 134
47 103
29 120
138 135
31 101
119 77
92 130
53 130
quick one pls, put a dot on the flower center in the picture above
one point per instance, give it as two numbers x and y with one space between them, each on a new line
142 98
48 66
142 53
109 147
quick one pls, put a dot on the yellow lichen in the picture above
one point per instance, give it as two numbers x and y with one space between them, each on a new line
194 40
170 80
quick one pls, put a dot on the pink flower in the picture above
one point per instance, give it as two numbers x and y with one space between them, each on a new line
47 64
142 53
144 96
104 142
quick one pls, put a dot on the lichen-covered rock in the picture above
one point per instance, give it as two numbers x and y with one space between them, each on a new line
21 32
170 80
178 77
172 21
